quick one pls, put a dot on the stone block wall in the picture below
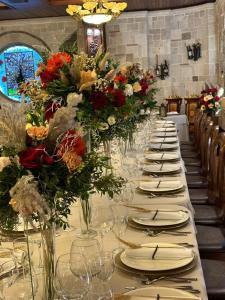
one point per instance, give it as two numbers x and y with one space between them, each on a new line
139 37
220 40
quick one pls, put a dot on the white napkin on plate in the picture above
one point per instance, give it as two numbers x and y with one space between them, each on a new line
162 253
161 168
176 184
161 156
161 215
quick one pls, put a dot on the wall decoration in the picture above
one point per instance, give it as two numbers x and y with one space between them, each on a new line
194 51
17 64
162 70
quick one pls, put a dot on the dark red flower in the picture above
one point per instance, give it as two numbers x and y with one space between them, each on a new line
119 98
98 100
50 110
72 141
1 62
46 77
217 98
144 86
35 157
4 79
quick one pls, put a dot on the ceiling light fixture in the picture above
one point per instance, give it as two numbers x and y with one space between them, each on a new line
96 11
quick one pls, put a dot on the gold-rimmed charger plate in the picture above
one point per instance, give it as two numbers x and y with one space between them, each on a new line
154 274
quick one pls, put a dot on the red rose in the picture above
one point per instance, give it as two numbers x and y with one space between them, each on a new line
4 79
144 86
98 100
119 98
72 141
217 98
1 62
34 158
46 77
50 110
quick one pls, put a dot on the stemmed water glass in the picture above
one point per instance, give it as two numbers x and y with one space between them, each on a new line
91 250
102 220
71 277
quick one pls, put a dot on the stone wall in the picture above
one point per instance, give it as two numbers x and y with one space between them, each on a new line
39 33
138 37
220 40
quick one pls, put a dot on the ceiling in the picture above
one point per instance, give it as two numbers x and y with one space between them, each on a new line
23 9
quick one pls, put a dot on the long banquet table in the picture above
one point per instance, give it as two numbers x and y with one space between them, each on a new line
120 279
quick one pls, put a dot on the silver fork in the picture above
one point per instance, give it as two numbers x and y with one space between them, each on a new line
148 281
153 233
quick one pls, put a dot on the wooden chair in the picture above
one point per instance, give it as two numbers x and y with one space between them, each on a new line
174 104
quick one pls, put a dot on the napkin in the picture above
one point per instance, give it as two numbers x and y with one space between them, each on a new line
161 253
161 168
169 184
161 156
162 215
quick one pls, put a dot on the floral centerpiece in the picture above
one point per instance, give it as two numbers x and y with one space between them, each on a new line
45 167
210 100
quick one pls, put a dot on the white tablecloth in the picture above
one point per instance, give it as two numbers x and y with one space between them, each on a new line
181 122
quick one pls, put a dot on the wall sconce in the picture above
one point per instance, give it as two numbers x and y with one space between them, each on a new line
162 70
194 52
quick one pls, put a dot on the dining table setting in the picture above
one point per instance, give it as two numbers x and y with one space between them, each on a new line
142 243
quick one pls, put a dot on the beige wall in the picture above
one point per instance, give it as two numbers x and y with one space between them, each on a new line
138 37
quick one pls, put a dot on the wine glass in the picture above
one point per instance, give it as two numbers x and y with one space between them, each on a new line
20 283
71 284
22 250
102 220
120 223
90 249
107 266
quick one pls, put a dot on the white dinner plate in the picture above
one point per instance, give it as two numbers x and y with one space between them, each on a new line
165 217
164 140
164 122
163 146
152 292
162 129
171 260
158 168
162 156
160 186
165 134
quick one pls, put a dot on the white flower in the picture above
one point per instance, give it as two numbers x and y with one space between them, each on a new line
4 162
217 104
220 92
103 126
128 90
73 99
115 86
111 120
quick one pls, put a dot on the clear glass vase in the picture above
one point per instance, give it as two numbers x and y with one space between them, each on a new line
107 151
85 219
48 247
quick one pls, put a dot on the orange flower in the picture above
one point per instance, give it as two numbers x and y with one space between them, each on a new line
37 132
119 78
41 68
72 160
57 61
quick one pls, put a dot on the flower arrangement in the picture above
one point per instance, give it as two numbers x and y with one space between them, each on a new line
210 100
45 165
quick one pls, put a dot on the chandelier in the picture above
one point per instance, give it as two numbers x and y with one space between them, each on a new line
96 11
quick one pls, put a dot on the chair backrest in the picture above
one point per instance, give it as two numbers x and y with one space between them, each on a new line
205 146
213 174
174 105
199 129
221 171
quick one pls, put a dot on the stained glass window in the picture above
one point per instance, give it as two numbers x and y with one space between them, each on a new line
17 64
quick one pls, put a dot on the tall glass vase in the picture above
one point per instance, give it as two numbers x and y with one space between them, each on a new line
107 151
85 219
48 247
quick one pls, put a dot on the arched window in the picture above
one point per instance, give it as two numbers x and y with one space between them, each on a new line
18 64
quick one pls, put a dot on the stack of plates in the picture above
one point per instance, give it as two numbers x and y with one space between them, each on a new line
161 186
164 140
162 157
163 129
151 293
160 219
156 259
163 147
162 169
